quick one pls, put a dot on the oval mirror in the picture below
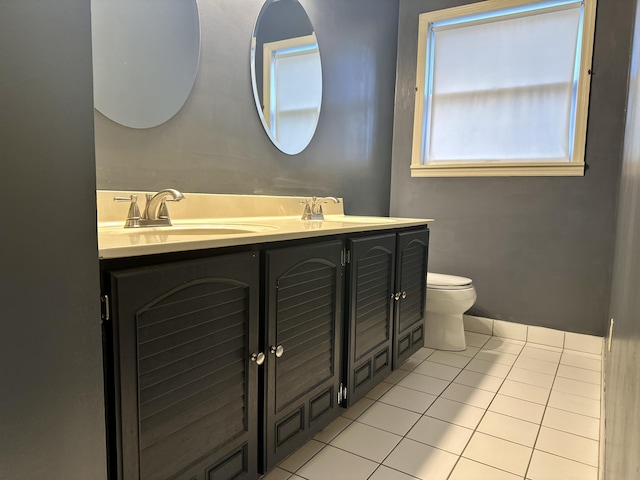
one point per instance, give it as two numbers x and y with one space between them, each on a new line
286 74
145 58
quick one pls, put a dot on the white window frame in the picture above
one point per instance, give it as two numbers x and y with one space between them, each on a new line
485 168
304 45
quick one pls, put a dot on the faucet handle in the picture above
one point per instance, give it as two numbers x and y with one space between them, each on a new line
133 216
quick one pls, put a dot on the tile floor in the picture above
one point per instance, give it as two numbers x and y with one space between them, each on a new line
501 410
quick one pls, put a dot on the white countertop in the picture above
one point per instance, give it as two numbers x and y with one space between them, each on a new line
200 214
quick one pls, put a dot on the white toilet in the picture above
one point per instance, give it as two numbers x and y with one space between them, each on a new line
448 297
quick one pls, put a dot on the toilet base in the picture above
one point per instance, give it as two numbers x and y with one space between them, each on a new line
444 331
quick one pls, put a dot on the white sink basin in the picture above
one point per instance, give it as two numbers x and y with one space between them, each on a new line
194 229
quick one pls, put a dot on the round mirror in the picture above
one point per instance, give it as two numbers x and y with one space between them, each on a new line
145 58
286 74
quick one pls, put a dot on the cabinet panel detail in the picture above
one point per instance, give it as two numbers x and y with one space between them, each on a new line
412 262
374 282
305 317
320 404
381 360
231 467
362 374
291 425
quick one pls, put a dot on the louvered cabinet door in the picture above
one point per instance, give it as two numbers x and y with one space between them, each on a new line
303 344
370 312
186 388
411 285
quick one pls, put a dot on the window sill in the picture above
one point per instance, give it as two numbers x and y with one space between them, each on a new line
495 169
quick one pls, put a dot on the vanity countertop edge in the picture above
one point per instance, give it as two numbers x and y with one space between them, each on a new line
276 218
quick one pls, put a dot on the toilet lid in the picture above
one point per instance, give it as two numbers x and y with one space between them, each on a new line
440 280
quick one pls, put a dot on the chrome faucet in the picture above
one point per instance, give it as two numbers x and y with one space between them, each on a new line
313 207
156 213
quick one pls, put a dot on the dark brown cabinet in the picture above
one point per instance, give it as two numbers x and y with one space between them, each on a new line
303 338
410 293
221 365
385 308
184 404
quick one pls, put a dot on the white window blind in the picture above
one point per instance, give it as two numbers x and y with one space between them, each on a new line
297 84
503 88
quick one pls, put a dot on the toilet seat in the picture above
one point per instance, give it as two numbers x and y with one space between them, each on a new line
440 281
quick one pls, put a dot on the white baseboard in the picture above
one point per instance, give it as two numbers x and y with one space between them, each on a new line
540 335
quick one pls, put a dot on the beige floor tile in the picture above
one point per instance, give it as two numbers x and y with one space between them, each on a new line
479 380
355 410
455 412
498 453
572 423
329 432
424 383
567 445
581 360
421 461
440 434
449 358
494 356
408 399
523 391
514 407
389 418
509 428
385 473
366 441
335 464
530 377
379 390
574 403
545 466
542 366
301 456
489 368
575 387
580 374
437 370
469 395
469 470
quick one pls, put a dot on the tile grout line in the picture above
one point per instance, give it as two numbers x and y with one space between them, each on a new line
485 413
440 395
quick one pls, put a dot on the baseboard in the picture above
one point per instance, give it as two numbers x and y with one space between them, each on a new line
541 335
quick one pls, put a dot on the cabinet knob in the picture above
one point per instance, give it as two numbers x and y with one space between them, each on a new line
396 296
404 294
258 358
277 351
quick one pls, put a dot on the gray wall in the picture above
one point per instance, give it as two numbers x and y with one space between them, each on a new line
622 374
51 392
539 250
216 143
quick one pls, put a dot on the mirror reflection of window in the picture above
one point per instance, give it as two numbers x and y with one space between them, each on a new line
292 85
286 74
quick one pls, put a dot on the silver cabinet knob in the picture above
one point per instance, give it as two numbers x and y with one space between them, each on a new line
258 358
404 294
277 351
397 296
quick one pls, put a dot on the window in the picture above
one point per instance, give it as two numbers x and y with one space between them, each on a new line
292 90
503 88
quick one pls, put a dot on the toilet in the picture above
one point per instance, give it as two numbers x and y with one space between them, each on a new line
448 297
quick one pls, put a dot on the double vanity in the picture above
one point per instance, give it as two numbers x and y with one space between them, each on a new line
235 334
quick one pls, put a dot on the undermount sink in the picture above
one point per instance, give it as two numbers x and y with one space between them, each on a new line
194 229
